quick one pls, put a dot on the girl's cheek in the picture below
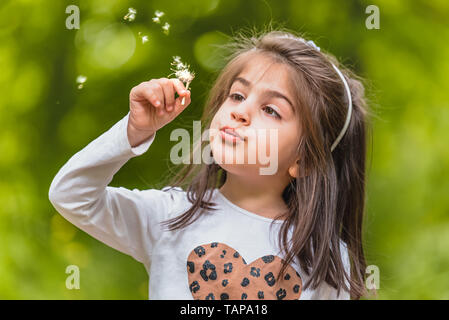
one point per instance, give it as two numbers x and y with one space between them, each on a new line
269 139
258 146
275 145
214 129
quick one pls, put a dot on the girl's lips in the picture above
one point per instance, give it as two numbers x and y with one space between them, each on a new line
232 131
229 137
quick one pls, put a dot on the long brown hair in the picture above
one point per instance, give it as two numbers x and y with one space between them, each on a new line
326 204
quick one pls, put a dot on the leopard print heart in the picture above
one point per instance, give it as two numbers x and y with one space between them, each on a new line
217 271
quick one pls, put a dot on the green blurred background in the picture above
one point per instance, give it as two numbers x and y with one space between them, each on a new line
45 119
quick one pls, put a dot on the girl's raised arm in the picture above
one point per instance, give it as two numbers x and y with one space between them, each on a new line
127 220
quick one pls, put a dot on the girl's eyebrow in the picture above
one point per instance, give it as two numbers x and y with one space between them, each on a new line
272 93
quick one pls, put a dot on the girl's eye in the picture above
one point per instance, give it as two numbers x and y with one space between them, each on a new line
271 111
236 96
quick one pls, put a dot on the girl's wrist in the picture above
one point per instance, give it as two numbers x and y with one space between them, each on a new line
136 136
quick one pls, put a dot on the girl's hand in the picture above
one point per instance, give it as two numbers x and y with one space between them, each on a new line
152 105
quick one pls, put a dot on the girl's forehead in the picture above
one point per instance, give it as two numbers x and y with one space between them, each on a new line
265 71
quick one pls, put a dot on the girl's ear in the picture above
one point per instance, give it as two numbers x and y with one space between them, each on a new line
294 169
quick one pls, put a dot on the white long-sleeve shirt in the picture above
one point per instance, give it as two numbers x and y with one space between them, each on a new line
228 253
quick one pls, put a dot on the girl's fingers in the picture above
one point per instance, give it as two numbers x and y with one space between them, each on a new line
153 93
158 91
183 94
149 94
169 93
161 94
179 87
179 106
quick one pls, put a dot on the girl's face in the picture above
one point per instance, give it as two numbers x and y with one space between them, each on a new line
260 109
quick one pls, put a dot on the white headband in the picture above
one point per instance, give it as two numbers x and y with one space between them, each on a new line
348 92
348 116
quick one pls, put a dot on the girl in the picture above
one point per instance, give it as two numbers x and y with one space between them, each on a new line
224 230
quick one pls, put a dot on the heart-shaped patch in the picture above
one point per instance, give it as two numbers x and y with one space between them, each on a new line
218 272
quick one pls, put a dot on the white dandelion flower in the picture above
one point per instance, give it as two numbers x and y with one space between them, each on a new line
177 62
184 75
182 72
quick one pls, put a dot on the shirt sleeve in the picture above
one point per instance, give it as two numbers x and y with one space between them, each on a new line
126 220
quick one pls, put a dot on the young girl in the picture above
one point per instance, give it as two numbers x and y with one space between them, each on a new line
223 230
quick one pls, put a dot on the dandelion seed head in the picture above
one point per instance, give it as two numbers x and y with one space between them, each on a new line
181 70
185 75
178 64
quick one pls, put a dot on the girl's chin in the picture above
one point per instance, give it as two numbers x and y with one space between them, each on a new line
238 162
240 170
227 153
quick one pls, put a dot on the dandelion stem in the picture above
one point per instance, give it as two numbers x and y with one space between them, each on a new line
184 98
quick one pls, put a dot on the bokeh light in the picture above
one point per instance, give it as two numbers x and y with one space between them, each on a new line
207 51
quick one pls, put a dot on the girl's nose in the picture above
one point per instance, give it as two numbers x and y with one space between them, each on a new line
240 114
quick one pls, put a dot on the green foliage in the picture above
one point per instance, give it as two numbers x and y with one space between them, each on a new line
46 119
